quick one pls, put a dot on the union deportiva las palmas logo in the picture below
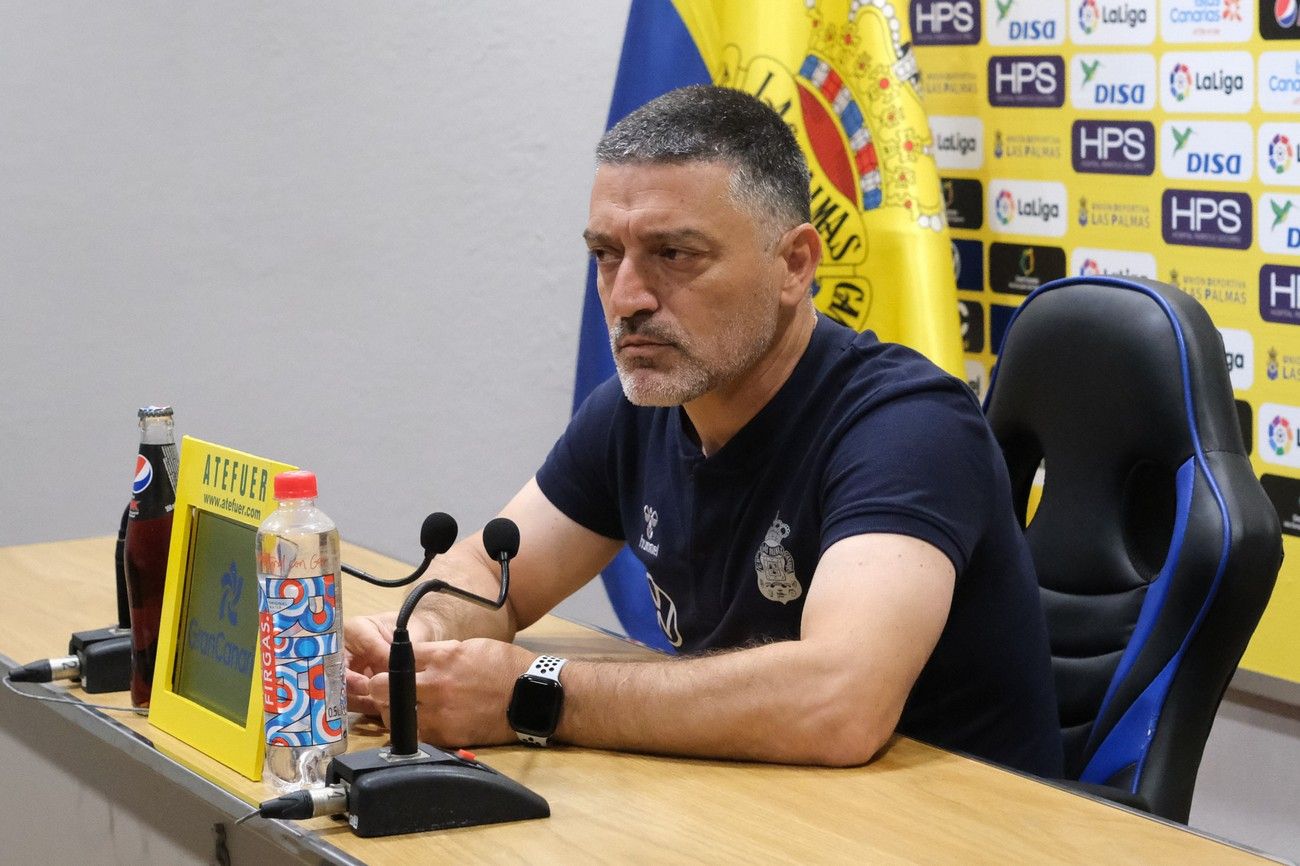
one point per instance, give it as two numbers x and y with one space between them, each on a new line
850 96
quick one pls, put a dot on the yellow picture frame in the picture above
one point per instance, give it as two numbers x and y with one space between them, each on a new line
213 482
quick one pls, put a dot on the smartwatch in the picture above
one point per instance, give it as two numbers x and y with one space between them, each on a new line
534 711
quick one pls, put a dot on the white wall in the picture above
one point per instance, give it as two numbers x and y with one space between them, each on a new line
343 235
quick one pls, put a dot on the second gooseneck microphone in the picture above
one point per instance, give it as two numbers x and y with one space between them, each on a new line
437 534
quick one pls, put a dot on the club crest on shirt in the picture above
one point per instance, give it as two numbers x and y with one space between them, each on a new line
775 566
651 521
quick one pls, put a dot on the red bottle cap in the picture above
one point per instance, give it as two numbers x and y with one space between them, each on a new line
298 484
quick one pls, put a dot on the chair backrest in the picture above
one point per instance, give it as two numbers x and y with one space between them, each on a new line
1155 546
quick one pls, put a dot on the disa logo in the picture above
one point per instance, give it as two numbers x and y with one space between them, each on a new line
1010 23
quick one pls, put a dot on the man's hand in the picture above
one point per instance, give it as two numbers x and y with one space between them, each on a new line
462 691
366 644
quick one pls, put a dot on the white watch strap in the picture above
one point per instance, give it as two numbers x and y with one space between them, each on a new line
548 668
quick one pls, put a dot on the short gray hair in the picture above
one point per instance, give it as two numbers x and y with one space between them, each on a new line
702 123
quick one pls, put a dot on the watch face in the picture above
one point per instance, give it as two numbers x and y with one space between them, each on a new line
535 706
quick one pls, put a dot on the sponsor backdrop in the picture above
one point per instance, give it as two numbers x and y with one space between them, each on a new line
1153 138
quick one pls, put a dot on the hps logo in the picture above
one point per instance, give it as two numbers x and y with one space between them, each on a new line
945 22
1098 22
1220 82
1015 22
1119 82
1026 81
1113 147
1204 218
1027 207
1211 150
1279 294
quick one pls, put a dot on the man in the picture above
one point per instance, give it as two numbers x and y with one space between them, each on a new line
825 519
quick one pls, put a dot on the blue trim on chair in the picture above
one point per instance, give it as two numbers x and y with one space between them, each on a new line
1129 742
1126 743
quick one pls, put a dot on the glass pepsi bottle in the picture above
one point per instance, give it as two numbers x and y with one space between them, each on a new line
148 538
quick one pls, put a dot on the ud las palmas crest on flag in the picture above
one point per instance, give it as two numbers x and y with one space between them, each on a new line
843 76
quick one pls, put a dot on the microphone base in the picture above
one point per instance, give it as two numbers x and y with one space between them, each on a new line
105 655
432 790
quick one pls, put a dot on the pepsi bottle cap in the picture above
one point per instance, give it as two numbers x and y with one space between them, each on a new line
298 484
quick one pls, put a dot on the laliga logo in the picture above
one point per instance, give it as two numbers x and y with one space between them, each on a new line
1089 268
1004 207
1284 12
1088 16
1180 81
1279 435
143 475
1279 149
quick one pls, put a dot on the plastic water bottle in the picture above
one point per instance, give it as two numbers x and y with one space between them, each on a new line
300 637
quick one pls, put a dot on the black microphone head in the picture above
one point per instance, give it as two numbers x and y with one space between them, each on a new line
438 533
501 538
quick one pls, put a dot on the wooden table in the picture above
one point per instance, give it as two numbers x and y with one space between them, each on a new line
914 803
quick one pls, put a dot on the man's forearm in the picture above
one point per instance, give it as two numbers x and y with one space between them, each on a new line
783 702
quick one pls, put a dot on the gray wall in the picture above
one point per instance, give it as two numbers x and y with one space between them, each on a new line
342 235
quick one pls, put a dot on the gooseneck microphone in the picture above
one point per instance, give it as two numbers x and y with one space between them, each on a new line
437 534
501 541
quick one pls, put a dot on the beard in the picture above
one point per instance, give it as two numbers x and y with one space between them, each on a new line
684 371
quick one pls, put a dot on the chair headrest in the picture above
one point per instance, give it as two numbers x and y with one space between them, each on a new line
1131 365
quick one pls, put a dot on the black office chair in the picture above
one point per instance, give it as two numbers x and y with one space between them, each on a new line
1156 547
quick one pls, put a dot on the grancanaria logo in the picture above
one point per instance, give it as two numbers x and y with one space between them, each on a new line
852 99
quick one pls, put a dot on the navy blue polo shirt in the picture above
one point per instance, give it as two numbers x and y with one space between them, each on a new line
864 437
